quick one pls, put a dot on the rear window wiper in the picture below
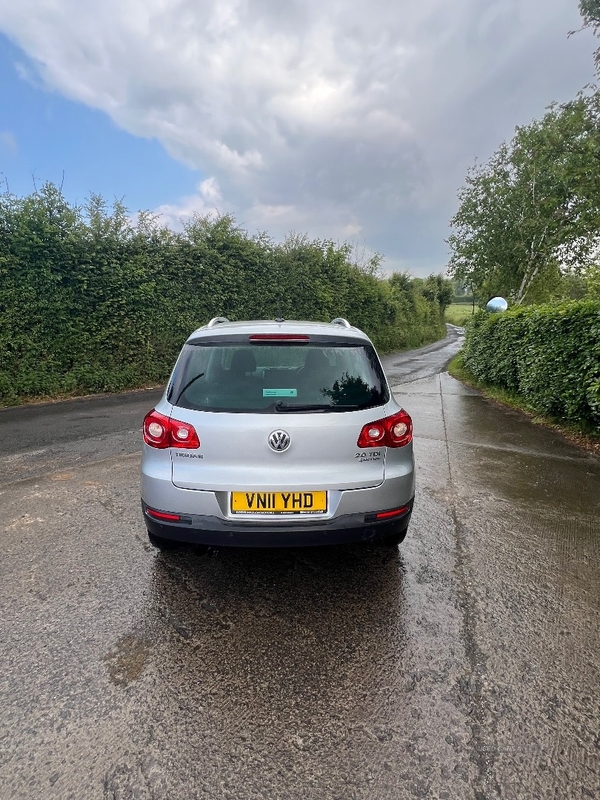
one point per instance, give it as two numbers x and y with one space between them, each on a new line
291 407
187 386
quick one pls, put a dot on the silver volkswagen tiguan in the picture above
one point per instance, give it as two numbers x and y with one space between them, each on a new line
274 434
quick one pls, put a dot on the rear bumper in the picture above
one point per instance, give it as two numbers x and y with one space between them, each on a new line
212 530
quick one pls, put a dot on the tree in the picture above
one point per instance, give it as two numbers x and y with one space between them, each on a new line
590 12
532 213
439 290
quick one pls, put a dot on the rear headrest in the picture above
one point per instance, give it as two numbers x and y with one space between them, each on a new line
316 360
243 361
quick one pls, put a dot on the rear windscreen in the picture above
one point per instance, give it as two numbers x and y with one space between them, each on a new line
277 378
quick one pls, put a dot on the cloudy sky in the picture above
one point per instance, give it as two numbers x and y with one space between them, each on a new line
352 120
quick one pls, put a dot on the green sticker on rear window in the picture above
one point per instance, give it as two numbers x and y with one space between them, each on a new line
280 392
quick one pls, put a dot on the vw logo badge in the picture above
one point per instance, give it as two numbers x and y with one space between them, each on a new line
279 441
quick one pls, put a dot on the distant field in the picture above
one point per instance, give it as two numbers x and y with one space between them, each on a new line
458 313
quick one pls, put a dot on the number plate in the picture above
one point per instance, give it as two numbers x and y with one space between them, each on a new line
278 502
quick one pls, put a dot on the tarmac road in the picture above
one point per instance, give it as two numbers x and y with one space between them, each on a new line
426 361
462 665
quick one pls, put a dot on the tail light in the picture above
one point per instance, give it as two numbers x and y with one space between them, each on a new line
394 431
163 432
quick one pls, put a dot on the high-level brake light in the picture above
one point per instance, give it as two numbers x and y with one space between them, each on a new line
279 337
394 431
162 432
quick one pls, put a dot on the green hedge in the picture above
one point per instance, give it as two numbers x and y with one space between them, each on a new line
549 355
91 301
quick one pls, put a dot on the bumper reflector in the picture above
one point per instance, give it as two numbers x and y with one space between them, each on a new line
163 515
396 512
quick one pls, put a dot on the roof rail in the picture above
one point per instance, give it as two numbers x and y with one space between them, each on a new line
341 321
216 321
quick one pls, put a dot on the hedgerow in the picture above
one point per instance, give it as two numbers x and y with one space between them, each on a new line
549 355
91 301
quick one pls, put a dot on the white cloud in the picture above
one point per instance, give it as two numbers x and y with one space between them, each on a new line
8 142
208 201
326 117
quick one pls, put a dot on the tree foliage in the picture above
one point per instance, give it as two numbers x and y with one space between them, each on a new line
91 301
590 13
532 213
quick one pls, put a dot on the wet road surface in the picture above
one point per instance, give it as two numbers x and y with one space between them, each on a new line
426 361
464 664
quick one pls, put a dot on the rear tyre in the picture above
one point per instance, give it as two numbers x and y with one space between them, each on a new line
160 543
392 539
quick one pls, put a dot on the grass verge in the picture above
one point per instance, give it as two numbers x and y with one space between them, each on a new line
584 435
458 313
